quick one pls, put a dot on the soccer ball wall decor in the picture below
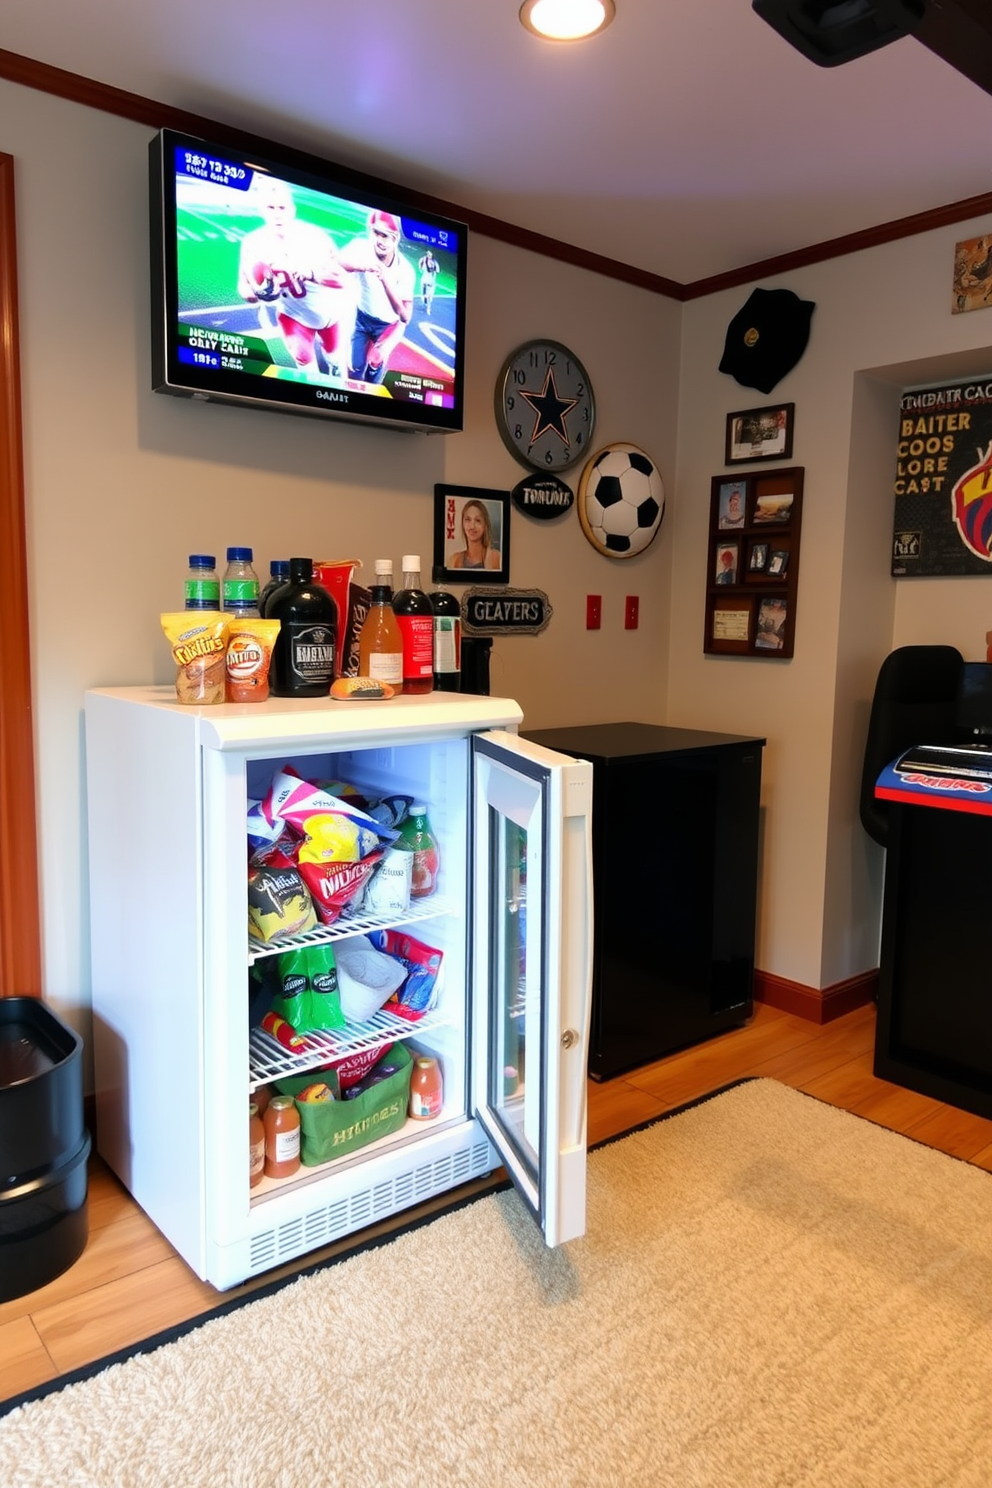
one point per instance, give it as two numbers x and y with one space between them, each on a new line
621 500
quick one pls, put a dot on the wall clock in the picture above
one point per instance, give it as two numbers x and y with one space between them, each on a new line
545 410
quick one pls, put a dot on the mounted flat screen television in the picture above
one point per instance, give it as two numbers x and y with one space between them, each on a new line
280 288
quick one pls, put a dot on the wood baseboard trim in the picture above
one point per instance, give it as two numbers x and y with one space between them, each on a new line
817 1005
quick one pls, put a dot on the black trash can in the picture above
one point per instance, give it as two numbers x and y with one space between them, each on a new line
44 1147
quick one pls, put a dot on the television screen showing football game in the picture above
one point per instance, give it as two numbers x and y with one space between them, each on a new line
277 287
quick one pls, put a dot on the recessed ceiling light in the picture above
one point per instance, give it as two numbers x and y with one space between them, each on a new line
566 20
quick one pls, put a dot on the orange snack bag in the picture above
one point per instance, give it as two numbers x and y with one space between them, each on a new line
249 653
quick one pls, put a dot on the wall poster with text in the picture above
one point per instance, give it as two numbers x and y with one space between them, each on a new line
943 485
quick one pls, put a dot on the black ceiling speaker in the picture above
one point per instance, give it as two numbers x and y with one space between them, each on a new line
829 32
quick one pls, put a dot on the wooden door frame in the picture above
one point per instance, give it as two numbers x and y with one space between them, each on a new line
20 920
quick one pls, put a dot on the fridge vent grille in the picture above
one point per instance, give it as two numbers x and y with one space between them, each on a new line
330 1221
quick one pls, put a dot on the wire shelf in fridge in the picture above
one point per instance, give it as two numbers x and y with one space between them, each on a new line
353 924
270 1060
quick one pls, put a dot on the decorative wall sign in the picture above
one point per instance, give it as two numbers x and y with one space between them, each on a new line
543 496
943 487
472 534
498 612
621 501
545 410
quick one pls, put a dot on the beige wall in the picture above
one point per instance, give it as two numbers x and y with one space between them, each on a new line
122 484
882 323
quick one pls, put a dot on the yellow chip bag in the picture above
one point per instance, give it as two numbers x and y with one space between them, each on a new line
199 646
330 838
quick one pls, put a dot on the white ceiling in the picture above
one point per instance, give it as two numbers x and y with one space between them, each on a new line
688 139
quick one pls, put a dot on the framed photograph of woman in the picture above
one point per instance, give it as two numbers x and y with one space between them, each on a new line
472 534
732 508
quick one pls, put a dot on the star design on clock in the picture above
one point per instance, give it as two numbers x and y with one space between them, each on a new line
550 410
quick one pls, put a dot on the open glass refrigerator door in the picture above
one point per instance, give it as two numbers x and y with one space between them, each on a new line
532 967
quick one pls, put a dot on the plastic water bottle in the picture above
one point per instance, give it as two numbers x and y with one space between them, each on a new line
240 587
202 587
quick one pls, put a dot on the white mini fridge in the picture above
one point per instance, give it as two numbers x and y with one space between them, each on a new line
176 1046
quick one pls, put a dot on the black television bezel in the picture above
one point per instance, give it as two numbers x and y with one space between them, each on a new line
278 396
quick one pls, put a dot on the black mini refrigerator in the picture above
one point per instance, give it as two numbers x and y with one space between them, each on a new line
675 868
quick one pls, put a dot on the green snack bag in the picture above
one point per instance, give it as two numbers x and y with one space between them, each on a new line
308 996
324 997
292 999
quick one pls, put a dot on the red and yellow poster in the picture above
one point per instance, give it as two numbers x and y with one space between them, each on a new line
943 485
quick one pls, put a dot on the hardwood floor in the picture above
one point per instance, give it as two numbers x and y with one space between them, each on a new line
129 1283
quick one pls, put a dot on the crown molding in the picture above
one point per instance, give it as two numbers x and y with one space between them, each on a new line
109 100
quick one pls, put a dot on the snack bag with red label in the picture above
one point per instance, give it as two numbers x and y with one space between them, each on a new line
419 991
333 885
354 1067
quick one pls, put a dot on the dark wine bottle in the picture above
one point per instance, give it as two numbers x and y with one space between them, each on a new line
447 636
412 608
303 654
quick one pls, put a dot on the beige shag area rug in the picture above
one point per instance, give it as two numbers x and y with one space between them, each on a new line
770 1292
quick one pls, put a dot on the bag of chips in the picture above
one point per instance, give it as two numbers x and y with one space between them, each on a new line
279 902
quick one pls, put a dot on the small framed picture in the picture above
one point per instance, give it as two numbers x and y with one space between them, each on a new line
472 534
778 562
758 561
733 505
727 559
730 626
770 633
776 507
760 434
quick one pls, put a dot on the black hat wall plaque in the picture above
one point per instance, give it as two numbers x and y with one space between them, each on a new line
766 338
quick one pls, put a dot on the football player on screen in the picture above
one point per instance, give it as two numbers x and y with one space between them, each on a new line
429 270
290 270
385 295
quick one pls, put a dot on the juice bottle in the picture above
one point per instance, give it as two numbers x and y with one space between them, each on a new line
426 1090
282 1137
415 614
380 645
417 838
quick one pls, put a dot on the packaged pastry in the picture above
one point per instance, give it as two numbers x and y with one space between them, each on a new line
199 645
